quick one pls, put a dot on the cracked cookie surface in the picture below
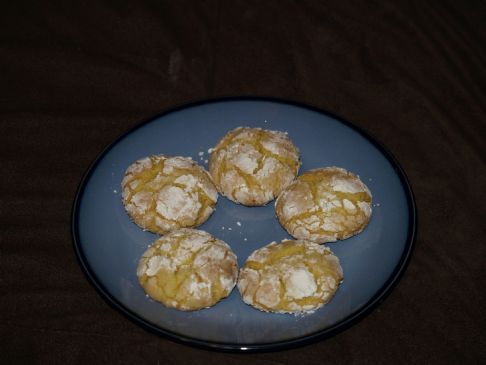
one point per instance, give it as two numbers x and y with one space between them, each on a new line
324 205
252 166
293 276
188 269
162 193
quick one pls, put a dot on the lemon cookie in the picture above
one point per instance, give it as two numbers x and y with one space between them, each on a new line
188 269
290 277
251 166
324 205
162 193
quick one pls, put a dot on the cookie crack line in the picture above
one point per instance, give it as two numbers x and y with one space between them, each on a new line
148 176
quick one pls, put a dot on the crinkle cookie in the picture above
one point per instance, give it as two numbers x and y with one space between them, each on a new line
290 277
324 205
188 270
251 166
162 193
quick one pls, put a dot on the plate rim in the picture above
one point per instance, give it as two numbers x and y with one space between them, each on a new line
347 322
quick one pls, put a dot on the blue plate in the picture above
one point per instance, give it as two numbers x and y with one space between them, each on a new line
108 245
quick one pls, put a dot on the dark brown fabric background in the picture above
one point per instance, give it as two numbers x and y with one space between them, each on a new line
73 76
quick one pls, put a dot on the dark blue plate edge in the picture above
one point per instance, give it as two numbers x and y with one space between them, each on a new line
349 321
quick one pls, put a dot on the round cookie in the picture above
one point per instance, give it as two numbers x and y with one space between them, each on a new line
252 166
290 277
162 193
324 205
188 269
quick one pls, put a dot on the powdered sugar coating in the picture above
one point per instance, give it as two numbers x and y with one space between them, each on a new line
251 166
188 269
290 277
162 193
324 205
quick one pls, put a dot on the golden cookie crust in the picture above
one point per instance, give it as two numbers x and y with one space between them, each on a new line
162 193
252 166
188 269
290 277
324 205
